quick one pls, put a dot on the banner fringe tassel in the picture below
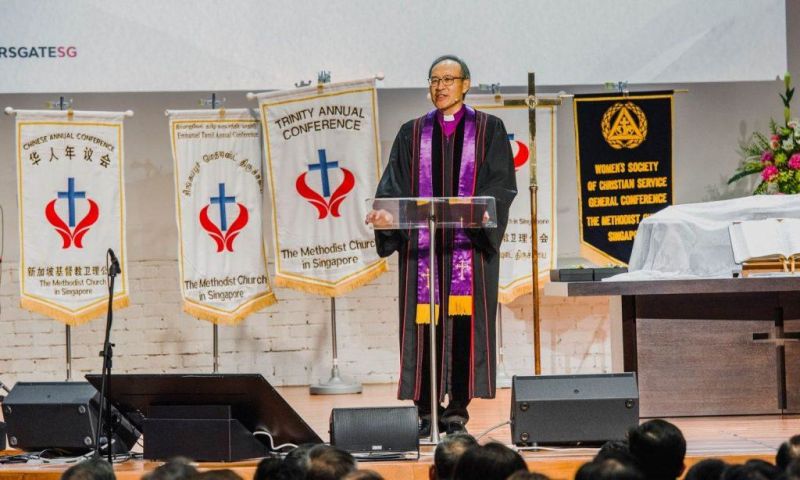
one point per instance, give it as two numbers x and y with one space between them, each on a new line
338 290
232 318
68 318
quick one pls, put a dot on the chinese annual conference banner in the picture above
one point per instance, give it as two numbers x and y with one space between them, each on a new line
624 152
219 188
516 268
71 211
323 162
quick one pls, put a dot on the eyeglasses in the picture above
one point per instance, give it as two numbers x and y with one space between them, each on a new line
446 81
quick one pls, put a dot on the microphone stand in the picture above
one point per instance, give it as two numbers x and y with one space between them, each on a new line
104 418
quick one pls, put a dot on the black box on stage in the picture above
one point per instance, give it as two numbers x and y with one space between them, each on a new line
566 409
207 417
2 436
206 432
375 430
59 415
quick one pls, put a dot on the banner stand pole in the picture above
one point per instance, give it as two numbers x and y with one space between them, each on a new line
63 104
534 188
502 380
215 366
213 102
336 385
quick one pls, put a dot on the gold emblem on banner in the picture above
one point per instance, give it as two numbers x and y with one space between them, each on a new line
619 127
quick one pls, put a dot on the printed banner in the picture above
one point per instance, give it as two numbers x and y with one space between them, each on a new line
219 189
516 269
323 162
71 211
624 152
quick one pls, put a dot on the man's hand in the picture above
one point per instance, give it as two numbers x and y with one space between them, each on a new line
379 219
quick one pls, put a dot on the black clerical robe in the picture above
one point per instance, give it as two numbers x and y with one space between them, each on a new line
495 177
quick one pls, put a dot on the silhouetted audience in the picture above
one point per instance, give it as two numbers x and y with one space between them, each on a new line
363 475
493 461
787 452
178 468
93 469
659 449
609 469
447 453
792 471
743 472
329 463
523 475
224 474
708 469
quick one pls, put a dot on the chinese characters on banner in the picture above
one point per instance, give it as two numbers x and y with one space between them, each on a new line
219 188
516 268
71 210
323 162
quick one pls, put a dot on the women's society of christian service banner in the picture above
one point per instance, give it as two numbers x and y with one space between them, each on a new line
71 211
219 187
515 253
624 151
323 162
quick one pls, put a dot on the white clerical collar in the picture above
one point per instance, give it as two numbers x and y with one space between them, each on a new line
449 118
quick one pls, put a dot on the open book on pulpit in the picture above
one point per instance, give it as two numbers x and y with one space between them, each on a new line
771 243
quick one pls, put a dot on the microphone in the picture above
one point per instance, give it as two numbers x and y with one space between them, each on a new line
115 269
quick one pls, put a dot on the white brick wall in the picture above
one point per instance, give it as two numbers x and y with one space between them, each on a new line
289 343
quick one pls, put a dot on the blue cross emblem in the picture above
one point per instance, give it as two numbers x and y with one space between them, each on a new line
71 195
222 201
323 166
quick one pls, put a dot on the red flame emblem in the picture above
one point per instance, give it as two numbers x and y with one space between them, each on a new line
324 206
224 240
72 236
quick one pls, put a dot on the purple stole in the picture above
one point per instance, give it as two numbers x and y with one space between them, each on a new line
459 301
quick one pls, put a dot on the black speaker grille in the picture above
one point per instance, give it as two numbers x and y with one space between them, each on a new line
385 429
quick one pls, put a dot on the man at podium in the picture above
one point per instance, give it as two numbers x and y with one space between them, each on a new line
452 151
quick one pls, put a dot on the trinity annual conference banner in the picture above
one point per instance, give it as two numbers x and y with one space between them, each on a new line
323 162
219 187
516 269
624 153
71 211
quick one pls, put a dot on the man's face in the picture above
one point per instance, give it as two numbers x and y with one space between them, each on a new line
448 98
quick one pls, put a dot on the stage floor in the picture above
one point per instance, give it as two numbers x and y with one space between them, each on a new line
734 439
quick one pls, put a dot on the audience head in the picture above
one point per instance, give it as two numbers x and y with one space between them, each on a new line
609 469
328 463
296 461
615 450
788 451
363 475
743 472
268 468
224 474
659 449
523 475
792 472
764 468
178 468
492 461
93 469
708 469
447 453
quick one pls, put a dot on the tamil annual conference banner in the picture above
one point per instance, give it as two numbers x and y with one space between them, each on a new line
323 162
516 268
219 187
71 211
624 151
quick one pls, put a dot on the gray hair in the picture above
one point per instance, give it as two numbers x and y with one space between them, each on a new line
452 58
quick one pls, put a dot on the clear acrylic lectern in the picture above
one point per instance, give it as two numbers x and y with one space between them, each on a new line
420 213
